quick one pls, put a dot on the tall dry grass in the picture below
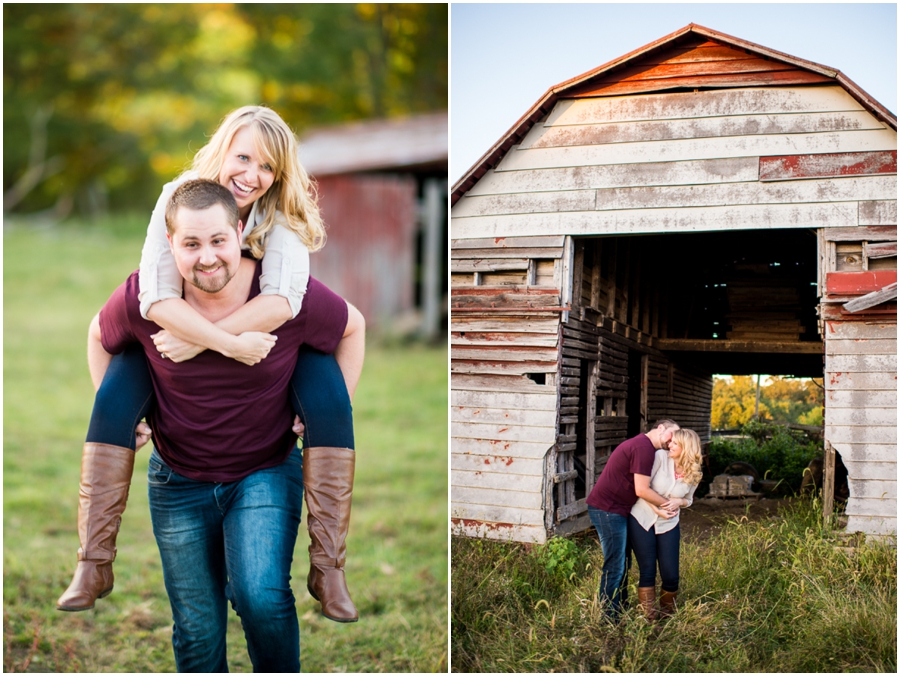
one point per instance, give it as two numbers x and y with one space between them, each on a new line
778 595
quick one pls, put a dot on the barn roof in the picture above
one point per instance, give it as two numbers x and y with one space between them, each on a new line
617 78
408 144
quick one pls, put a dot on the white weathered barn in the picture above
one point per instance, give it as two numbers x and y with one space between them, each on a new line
701 205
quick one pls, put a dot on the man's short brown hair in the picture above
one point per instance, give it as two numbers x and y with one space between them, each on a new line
665 422
200 194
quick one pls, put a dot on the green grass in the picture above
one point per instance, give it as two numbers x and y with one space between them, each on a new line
769 596
54 282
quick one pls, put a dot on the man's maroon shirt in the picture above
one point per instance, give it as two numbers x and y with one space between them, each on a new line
217 419
614 490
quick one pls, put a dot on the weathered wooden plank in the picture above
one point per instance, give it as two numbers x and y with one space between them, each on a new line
860 435
462 339
500 384
504 400
855 330
873 525
570 510
871 507
536 534
861 363
698 149
497 498
509 297
503 416
512 324
861 346
509 243
544 255
507 481
495 513
872 299
769 77
494 447
873 488
859 282
501 367
841 380
797 166
639 221
488 265
663 130
861 398
861 416
731 194
866 452
870 470
691 345
489 463
525 203
702 104
882 212
873 233
505 353
617 176
880 249
827 190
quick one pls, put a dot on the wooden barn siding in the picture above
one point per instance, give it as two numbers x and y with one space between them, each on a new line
861 418
611 165
370 254
504 327
688 402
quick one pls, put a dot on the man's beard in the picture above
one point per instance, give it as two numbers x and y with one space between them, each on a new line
213 284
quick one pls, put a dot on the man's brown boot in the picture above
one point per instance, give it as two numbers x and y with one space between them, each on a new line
647 598
105 480
328 482
667 605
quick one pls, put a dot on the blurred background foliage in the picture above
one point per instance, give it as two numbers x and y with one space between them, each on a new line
102 104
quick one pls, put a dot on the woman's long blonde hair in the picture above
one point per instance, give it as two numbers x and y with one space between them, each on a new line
691 455
292 193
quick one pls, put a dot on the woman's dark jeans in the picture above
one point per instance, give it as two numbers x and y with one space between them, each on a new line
650 549
318 395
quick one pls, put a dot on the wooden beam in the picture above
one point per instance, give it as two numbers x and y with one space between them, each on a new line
691 345
872 299
868 233
828 484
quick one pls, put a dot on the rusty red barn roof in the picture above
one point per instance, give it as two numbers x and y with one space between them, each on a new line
602 81
376 145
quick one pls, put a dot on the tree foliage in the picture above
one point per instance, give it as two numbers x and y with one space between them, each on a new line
103 103
786 400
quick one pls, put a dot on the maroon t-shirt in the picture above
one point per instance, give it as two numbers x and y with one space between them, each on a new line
614 490
217 419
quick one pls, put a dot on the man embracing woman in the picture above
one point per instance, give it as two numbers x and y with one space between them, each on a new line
635 507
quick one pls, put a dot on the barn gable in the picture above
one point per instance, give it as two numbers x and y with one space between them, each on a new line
659 219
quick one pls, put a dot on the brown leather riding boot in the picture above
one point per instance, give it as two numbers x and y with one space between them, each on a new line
105 480
667 605
328 482
647 599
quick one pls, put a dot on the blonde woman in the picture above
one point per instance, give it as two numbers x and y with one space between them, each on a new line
654 533
253 153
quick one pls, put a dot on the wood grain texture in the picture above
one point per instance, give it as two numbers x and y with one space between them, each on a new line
699 149
708 103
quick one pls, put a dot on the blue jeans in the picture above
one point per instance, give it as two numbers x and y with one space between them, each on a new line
223 542
650 549
318 394
613 532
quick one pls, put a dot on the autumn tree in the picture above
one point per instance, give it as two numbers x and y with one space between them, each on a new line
787 400
104 103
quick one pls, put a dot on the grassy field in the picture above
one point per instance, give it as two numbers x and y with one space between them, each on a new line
55 280
774 595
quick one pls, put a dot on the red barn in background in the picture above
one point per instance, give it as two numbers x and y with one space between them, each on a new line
383 191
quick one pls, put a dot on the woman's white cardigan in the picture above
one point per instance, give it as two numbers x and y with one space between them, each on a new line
285 267
663 481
